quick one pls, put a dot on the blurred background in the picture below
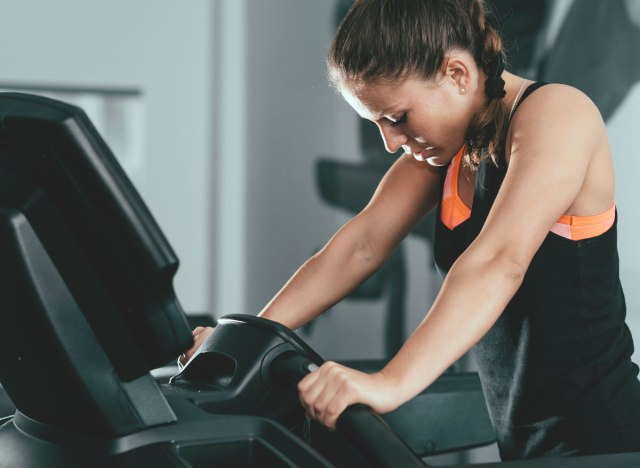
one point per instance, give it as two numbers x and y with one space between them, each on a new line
220 113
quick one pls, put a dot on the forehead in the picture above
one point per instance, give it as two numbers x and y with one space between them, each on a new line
373 101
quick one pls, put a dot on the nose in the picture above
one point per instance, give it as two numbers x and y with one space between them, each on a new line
393 137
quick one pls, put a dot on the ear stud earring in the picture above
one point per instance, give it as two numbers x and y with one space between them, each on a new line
462 90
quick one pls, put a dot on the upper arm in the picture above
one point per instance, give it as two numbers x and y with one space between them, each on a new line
552 143
406 193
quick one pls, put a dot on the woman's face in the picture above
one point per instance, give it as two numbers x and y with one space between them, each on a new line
428 119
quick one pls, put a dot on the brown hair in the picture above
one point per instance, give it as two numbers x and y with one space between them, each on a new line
393 39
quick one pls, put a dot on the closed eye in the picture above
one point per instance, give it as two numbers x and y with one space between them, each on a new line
399 121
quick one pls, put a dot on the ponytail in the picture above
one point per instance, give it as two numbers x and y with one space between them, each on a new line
487 131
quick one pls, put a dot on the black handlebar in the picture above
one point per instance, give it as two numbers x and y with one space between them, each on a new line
366 430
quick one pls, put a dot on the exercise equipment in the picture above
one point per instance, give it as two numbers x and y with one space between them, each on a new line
89 309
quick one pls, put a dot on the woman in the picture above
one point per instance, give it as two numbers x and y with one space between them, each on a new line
522 178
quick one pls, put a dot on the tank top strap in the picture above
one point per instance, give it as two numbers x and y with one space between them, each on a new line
527 92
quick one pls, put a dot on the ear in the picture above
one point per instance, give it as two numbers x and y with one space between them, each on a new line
459 67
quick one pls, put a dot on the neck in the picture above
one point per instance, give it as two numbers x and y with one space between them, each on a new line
512 85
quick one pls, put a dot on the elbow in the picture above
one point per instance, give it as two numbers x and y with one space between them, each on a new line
366 254
509 267
362 248
502 267
512 269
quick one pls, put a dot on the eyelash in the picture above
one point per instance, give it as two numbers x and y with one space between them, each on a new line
401 120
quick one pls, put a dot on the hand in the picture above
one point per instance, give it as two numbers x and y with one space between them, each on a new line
199 335
328 391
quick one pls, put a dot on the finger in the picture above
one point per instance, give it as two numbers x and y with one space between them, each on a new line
205 332
191 351
323 386
335 408
187 355
200 337
183 359
334 397
323 402
197 342
196 345
303 386
309 396
197 330
308 380
345 392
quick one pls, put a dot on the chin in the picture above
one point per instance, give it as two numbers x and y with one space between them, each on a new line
436 161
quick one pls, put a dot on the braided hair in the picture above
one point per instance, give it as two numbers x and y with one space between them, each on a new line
394 39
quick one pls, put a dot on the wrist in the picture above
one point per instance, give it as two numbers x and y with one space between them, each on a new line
391 399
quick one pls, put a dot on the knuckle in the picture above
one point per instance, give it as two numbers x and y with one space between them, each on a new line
303 386
319 405
329 365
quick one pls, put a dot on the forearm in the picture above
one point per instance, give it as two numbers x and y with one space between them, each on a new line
323 280
473 296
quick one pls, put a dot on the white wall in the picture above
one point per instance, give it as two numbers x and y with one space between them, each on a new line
161 48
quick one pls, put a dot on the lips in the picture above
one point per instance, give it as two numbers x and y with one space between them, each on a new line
423 154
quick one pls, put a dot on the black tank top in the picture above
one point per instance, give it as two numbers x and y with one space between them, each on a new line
556 367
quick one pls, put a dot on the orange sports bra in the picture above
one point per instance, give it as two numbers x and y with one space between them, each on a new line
454 212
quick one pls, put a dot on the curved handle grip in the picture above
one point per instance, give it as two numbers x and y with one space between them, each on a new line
366 430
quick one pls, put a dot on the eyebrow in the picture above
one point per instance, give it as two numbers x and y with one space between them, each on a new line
386 111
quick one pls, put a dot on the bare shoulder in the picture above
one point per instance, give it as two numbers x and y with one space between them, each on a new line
556 113
560 97
559 136
556 155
